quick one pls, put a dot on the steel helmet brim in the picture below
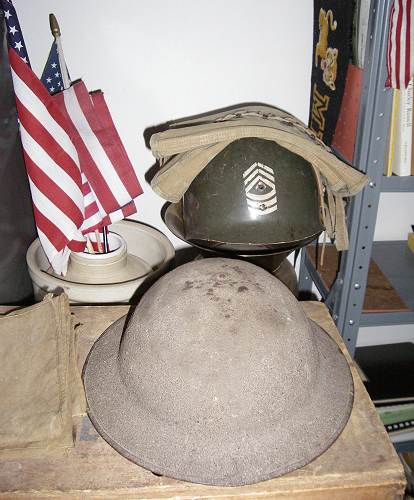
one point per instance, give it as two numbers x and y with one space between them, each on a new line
173 218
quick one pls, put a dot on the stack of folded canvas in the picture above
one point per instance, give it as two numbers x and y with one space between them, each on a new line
40 386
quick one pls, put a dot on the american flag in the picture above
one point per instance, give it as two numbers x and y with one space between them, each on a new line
14 33
400 48
52 75
79 172
109 182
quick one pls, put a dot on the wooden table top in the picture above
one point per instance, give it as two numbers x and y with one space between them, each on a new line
361 464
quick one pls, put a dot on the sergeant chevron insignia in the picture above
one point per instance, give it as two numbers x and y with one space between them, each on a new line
260 189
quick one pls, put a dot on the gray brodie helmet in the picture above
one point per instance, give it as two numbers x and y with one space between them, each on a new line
254 197
233 386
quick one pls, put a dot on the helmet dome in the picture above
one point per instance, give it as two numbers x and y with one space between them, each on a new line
254 196
218 377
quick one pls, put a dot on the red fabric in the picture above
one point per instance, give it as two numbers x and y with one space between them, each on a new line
114 146
400 66
346 127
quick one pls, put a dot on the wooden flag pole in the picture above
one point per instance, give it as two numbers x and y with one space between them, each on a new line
55 29
89 245
98 241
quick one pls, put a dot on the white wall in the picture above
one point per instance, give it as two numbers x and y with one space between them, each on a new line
157 61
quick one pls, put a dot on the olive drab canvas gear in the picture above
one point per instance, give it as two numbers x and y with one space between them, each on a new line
218 378
186 149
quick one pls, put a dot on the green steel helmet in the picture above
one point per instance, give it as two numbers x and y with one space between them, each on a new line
254 196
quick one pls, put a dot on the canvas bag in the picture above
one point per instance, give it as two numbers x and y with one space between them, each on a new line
40 385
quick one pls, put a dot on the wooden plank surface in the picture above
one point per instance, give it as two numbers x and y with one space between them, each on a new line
361 464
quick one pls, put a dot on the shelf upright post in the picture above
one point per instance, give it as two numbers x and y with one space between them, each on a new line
370 152
305 278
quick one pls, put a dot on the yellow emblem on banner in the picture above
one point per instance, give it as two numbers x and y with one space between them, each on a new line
320 105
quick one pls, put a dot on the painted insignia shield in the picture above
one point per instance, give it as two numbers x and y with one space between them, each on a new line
260 189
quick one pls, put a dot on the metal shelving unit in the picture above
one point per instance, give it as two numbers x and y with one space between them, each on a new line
400 272
396 184
345 298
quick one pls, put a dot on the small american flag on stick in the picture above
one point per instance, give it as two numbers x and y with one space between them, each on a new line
52 75
79 172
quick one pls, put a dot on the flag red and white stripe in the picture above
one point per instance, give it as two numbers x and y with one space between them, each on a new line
109 181
79 173
52 165
400 48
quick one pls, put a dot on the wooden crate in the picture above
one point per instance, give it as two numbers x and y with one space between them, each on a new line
361 464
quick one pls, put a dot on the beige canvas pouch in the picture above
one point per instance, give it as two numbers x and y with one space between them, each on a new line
40 385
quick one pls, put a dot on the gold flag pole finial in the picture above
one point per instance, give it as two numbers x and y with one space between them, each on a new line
54 28
54 25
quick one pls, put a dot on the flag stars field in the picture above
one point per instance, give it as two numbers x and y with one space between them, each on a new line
52 74
14 34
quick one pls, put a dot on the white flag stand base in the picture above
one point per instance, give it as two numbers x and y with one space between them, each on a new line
117 266
139 252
